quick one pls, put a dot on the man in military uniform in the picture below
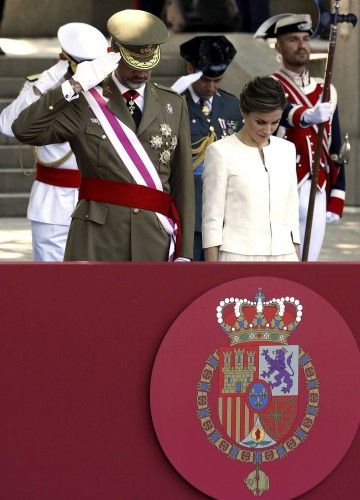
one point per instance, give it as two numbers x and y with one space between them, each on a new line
54 193
292 32
131 140
214 113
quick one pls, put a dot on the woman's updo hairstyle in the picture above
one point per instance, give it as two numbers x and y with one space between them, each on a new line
263 94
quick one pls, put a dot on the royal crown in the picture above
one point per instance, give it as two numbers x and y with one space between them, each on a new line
273 320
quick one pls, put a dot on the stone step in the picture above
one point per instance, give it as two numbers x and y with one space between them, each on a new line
14 204
11 156
4 102
5 140
10 86
170 65
13 180
24 65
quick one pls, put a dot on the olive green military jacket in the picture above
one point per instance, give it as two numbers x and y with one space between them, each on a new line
104 231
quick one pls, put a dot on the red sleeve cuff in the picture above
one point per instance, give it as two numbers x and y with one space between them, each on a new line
336 205
295 116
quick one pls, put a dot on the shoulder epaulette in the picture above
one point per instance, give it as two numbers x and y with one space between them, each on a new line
227 93
32 78
162 87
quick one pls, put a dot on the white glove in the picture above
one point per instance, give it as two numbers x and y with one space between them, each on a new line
321 112
182 259
52 76
185 81
90 73
331 217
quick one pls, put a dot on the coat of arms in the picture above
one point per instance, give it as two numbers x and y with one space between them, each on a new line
259 376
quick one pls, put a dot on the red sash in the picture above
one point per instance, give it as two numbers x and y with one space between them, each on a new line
62 177
131 195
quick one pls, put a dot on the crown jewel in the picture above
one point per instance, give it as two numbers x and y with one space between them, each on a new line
258 321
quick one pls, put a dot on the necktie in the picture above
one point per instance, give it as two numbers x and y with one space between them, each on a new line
134 110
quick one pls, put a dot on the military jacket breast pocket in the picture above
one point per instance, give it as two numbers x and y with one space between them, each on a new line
98 143
91 211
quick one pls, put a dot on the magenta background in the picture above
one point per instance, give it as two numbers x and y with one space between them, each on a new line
78 342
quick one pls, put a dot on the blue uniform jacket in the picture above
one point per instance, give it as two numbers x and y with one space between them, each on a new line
225 118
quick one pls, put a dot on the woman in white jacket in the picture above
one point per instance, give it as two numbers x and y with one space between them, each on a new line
250 200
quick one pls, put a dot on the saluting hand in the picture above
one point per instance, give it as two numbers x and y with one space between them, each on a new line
52 76
90 73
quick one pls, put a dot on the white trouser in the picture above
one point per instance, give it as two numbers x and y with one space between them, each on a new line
48 241
318 222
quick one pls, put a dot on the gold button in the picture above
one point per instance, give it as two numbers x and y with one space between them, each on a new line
51 108
103 136
211 129
136 210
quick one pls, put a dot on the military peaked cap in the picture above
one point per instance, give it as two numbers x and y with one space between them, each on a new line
137 35
82 41
209 54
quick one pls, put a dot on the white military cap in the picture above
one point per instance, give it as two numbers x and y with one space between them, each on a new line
284 23
82 41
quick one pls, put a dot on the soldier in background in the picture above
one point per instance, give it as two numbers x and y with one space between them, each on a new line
54 193
214 113
292 32
131 139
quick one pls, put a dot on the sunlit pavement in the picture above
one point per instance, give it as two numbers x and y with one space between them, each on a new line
15 240
342 240
30 47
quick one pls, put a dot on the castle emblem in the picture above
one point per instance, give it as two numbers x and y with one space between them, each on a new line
258 376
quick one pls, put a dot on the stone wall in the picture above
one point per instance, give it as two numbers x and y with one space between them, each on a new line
42 18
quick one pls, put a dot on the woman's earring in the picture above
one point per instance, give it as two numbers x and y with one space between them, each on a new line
243 120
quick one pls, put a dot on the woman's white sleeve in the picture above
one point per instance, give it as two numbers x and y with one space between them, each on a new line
214 196
294 206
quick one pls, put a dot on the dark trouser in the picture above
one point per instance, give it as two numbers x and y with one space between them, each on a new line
198 250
